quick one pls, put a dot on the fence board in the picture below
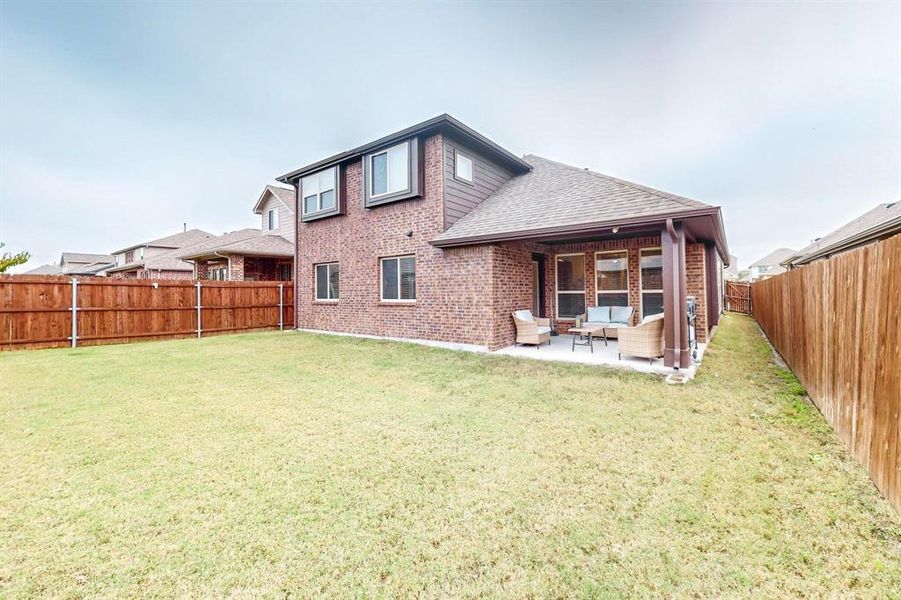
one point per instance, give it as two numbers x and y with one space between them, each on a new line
36 311
836 323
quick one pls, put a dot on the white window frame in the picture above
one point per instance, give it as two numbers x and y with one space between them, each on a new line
641 290
272 219
472 167
304 195
386 152
382 278
598 292
557 289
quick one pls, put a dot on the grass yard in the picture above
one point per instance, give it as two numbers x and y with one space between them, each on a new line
279 464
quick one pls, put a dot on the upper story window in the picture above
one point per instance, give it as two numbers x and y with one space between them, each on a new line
320 193
392 173
271 219
463 167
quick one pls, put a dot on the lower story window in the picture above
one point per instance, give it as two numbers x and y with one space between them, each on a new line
651 282
399 278
217 273
284 272
570 285
327 276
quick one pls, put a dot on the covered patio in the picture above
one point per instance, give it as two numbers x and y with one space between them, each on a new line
560 349
667 263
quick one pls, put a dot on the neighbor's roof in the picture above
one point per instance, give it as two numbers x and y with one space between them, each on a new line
556 197
93 268
880 222
177 240
83 257
251 242
44 270
774 258
167 261
444 123
286 195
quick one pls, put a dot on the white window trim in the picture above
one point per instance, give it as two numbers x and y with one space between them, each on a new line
387 170
304 196
382 278
272 219
598 292
641 289
557 289
328 278
472 166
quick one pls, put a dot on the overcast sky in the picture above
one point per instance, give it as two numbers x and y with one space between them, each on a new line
119 122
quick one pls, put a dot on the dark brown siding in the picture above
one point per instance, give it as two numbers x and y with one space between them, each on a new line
461 197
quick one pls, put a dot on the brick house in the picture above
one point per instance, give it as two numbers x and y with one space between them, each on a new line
265 254
157 259
435 232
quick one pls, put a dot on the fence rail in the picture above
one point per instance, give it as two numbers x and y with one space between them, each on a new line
52 311
837 323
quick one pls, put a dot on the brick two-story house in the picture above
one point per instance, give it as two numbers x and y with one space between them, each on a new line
435 232
265 254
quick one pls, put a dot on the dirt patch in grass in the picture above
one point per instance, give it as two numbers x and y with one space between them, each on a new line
267 464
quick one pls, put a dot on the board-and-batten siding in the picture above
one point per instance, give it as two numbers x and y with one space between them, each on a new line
461 197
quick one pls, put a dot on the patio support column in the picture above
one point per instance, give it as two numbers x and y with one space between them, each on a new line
675 348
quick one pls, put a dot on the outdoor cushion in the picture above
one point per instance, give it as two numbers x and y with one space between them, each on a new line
620 314
544 330
651 318
524 315
599 314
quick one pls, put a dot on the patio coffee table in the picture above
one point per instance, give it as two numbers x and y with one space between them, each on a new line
590 332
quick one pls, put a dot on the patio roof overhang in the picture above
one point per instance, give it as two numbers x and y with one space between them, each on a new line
705 224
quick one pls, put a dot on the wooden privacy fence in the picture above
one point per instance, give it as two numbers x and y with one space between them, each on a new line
837 322
52 311
738 297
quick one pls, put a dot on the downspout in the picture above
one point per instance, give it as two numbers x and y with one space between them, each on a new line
674 267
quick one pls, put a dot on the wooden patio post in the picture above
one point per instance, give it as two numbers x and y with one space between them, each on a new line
675 349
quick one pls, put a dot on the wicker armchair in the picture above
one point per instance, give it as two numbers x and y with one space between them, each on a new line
644 340
531 330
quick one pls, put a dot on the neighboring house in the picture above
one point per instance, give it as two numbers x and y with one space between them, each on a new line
265 254
436 232
81 263
731 273
44 270
881 222
157 259
771 264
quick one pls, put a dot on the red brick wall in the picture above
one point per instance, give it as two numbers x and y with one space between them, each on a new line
696 280
452 287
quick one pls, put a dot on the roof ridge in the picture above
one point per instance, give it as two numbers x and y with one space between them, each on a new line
689 202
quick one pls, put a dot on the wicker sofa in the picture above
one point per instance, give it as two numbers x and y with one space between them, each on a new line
609 317
530 329
645 340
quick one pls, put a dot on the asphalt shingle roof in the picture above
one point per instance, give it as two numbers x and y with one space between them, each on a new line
243 241
880 215
84 257
775 258
176 240
44 270
555 194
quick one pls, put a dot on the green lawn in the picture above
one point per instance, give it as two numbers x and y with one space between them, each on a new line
266 464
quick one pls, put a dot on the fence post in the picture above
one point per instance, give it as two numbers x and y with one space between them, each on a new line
281 307
74 312
197 285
